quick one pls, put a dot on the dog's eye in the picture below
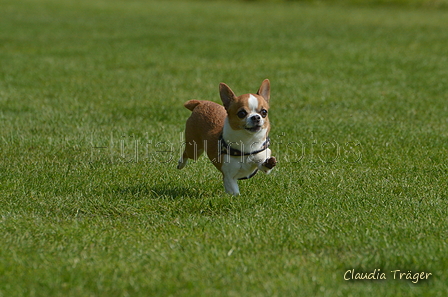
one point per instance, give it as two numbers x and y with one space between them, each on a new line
264 113
242 114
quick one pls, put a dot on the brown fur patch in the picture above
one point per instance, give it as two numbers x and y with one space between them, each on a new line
203 129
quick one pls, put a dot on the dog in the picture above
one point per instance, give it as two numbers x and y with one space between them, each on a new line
233 135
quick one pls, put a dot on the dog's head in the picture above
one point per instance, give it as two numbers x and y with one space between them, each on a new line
247 112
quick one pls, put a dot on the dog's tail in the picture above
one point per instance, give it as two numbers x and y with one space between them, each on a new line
191 104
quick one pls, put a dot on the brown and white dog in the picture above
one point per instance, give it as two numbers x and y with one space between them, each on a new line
234 136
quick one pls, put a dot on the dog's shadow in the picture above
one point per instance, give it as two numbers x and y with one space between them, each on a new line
166 191
172 192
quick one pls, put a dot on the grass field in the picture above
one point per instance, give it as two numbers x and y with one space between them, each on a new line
91 118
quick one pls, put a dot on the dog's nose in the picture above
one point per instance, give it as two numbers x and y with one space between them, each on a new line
256 118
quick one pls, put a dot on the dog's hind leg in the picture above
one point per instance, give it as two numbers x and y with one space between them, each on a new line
192 151
182 161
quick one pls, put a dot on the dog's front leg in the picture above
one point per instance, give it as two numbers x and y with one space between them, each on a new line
231 185
229 170
268 164
265 163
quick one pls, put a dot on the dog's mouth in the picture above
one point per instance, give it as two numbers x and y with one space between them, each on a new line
254 129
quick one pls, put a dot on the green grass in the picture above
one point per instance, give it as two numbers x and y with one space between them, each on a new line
91 95
397 3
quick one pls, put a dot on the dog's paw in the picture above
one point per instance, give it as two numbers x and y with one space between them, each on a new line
270 163
181 164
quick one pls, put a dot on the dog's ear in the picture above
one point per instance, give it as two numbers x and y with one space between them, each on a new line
265 90
227 95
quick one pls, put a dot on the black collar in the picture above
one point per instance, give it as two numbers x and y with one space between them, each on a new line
228 150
